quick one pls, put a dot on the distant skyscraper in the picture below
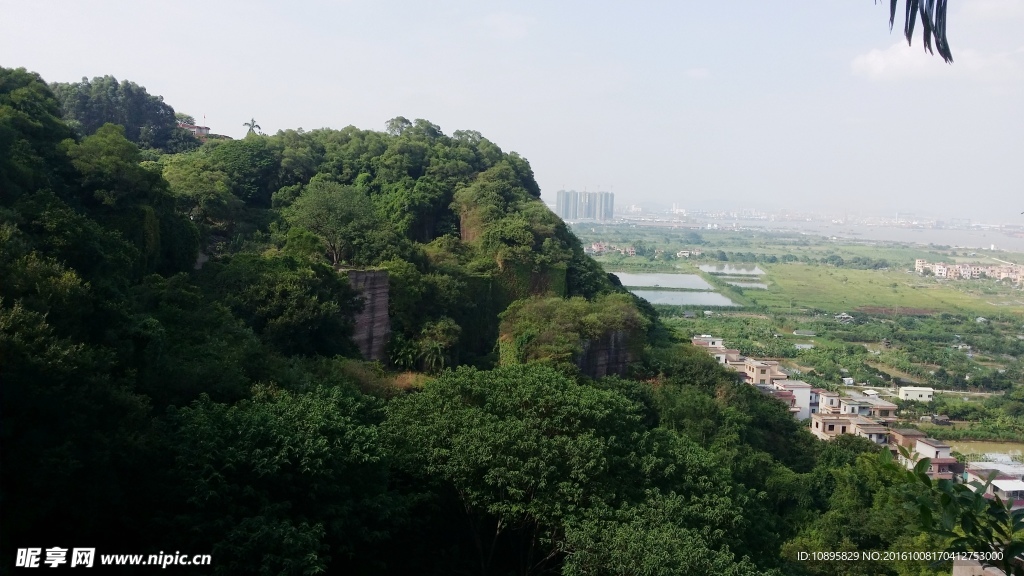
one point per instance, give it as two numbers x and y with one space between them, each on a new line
573 205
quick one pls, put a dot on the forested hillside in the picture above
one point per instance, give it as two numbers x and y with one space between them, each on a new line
178 370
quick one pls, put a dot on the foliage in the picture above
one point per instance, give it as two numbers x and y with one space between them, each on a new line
963 514
933 24
146 119
556 330
338 215
296 307
281 483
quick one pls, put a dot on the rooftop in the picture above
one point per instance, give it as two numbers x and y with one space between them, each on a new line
1009 468
1009 485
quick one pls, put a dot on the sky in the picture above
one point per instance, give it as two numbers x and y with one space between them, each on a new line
800 106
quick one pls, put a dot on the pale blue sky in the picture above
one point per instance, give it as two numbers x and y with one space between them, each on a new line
798 105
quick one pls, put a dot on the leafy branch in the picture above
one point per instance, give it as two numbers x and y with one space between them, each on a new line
961 512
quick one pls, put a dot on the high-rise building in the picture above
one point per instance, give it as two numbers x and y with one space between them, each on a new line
573 205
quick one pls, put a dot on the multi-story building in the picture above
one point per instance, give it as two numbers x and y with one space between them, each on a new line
942 463
906 437
801 392
828 426
762 371
572 205
828 401
1013 272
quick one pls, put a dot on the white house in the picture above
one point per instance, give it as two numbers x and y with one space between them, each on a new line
917 393
801 394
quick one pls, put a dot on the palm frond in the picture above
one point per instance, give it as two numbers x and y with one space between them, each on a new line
933 24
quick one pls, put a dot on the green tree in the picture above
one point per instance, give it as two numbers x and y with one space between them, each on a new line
132 198
296 306
87 105
283 483
200 191
522 447
30 129
338 215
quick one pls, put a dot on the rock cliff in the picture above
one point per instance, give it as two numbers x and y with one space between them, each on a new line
610 354
372 324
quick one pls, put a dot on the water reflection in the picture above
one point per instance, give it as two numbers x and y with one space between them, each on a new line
677 298
690 281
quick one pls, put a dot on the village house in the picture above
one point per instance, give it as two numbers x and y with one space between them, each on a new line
201 132
801 392
824 401
916 393
942 464
1007 480
1012 272
828 426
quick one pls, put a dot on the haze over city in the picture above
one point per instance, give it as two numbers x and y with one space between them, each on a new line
806 106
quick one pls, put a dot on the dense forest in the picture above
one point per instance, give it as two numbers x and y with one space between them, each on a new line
179 371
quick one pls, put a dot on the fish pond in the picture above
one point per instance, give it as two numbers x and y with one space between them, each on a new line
732 269
749 285
678 281
684 298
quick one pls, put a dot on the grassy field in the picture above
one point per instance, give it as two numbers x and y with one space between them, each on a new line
794 286
776 243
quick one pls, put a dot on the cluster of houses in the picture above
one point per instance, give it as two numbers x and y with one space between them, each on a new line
823 407
861 414
1013 272
598 248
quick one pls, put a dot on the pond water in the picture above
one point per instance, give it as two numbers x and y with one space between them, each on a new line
756 285
737 269
690 281
1006 449
676 298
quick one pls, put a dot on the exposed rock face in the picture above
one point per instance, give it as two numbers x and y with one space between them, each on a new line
608 355
373 326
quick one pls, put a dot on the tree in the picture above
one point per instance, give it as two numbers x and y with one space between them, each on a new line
283 483
252 126
147 120
30 131
132 197
298 307
397 125
200 191
338 215
522 447
933 24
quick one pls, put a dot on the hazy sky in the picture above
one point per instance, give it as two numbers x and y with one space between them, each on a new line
797 105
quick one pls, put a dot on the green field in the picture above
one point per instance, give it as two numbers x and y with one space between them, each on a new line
795 286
